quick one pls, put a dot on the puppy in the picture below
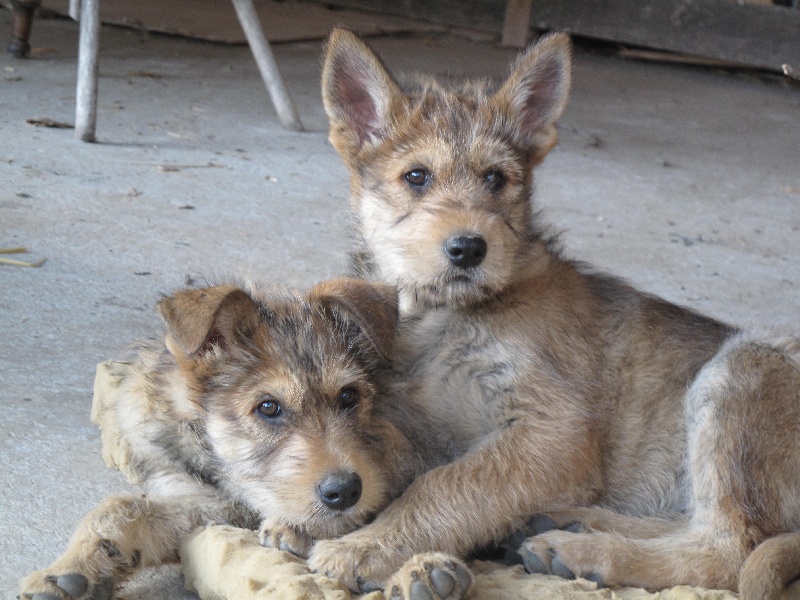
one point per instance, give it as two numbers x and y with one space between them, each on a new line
260 408
666 440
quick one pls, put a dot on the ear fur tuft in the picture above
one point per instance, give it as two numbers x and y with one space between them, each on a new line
372 307
535 94
357 90
200 318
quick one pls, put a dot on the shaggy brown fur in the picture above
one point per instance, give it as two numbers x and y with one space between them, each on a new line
261 408
671 437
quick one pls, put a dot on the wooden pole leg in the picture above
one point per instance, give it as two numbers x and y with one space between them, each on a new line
86 89
517 23
259 45
21 25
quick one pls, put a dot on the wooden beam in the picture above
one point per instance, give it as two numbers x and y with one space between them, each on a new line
759 36
516 23
476 14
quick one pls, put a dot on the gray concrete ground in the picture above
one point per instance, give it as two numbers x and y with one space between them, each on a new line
685 181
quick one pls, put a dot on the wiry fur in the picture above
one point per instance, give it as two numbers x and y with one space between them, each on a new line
185 424
672 437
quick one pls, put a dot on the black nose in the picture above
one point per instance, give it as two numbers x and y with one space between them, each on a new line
465 250
340 490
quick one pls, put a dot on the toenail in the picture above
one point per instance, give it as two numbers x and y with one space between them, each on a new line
74 584
443 582
419 591
557 567
533 564
110 548
541 523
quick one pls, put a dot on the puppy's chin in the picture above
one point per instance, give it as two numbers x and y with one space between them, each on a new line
455 288
330 524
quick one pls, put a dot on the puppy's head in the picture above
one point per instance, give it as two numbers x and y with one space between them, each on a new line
441 176
287 386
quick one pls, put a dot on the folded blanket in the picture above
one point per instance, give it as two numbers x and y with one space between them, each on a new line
225 563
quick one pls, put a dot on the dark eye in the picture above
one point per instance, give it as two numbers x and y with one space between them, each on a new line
269 408
348 398
418 177
494 180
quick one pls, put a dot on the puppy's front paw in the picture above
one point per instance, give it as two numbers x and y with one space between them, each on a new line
432 576
361 566
283 537
46 585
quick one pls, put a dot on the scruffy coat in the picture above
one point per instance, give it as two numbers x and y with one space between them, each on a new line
667 440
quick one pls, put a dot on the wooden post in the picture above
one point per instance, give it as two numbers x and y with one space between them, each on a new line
517 23
86 92
267 65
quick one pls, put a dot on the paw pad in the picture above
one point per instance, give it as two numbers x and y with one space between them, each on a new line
74 584
534 564
442 582
557 567
419 591
540 524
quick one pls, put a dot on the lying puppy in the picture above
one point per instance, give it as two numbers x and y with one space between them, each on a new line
559 387
260 409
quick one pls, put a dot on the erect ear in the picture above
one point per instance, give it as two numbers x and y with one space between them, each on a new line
535 94
357 91
198 319
371 307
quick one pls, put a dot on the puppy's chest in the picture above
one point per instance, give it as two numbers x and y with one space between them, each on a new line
463 375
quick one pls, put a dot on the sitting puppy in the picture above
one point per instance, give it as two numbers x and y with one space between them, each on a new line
672 437
259 409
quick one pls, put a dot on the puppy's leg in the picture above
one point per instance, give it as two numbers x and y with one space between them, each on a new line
274 534
594 518
428 576
770 567
122 534
742 415
478 499
692 557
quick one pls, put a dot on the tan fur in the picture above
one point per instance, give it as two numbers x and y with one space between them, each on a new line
184 422
555 388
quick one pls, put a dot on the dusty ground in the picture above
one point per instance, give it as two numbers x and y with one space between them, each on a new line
685 181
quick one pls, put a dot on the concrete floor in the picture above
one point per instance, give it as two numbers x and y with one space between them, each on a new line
685 181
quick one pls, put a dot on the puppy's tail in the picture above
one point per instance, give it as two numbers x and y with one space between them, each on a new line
773 565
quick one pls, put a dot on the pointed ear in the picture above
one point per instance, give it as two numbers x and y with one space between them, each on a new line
535 94
198 319
373 308
357 91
